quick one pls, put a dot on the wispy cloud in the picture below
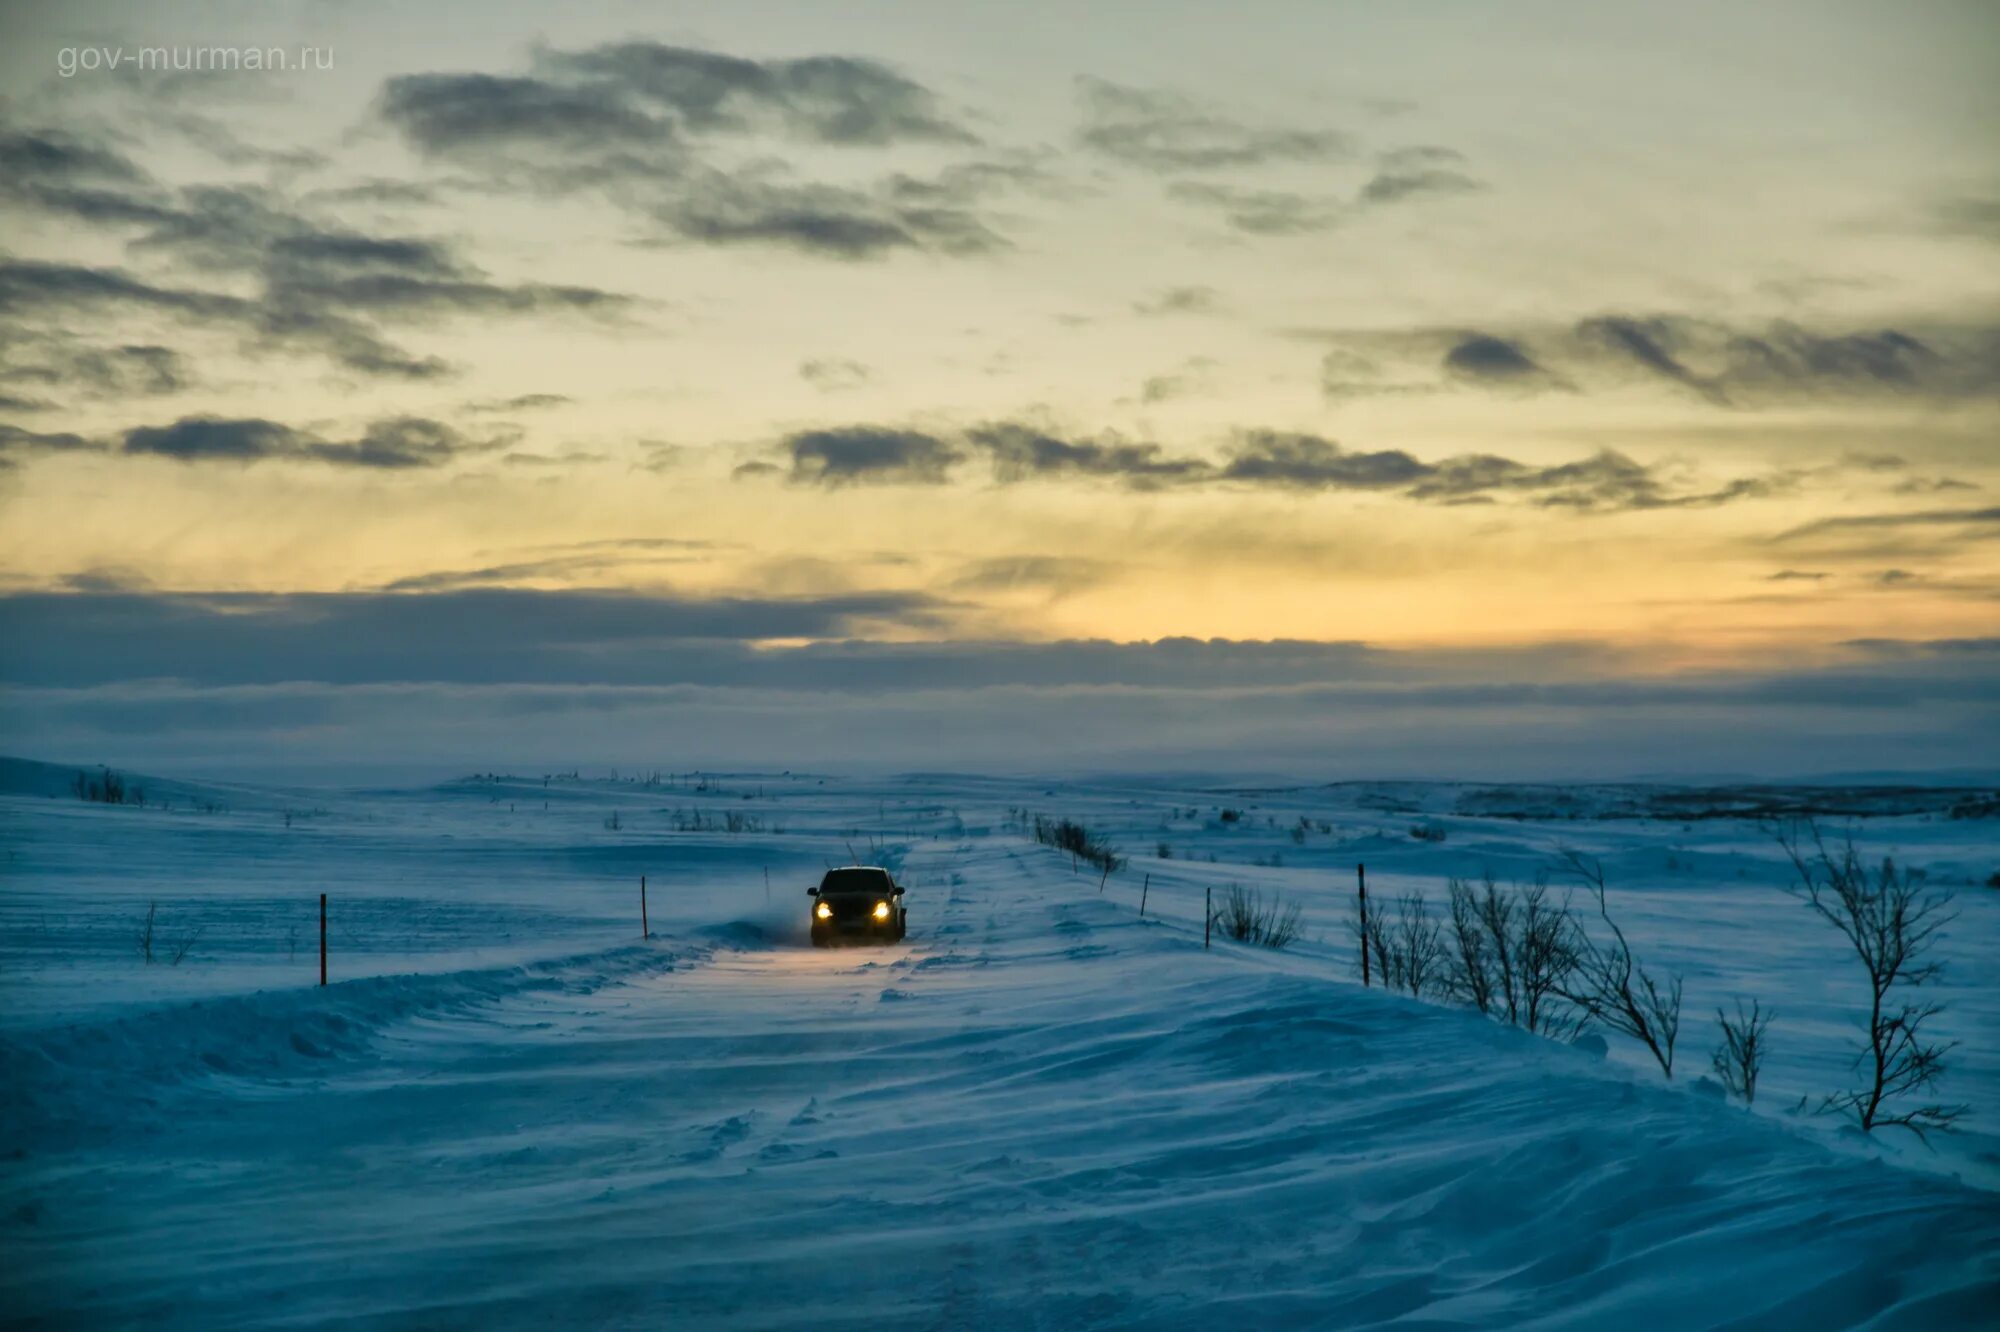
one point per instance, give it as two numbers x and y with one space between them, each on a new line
1017 453
640 123
392 444
1168 132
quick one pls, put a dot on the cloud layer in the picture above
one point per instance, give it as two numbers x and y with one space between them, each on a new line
1255 459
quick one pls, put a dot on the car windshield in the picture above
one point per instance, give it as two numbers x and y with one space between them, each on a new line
856 881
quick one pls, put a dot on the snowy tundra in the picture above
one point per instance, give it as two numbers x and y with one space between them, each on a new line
1042 1110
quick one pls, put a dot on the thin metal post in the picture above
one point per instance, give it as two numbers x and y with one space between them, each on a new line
1361 873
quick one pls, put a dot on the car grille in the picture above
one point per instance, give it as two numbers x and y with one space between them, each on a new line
851 910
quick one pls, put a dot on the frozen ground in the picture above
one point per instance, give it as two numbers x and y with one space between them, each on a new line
1041 1111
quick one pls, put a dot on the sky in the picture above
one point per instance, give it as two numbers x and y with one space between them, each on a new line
1317 389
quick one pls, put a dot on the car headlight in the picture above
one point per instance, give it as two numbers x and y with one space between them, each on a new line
823 911
881 911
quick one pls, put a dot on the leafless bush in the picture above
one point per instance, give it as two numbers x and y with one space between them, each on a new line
1740 1056
1510 954
1245 917
1892 920
182 946
1082 845
1428 832
106 788
1610 986
146 930
1408 950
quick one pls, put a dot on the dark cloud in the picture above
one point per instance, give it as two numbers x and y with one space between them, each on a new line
1021 453
1165 132
1402 175
1741 367
1728 366
55 360
1984 522
448 113
211 438
1395 185
1180 300
1264 212
640 123
1930 485
323 288
377 191
469 635
524 402
869 455
598 678
820 99
714 208
1484 359
27 286
1604 482
1307 462
16 442
573 565
33 293
393 444
1191 377
1050 576
1647 343
63 175
1798 576
834 374
1607 481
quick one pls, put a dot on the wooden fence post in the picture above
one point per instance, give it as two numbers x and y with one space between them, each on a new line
1143 890
1361 873
1207 913
645 930
322 938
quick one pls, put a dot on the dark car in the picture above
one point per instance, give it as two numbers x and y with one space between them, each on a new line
857 902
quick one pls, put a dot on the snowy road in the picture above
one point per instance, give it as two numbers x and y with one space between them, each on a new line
1040 1112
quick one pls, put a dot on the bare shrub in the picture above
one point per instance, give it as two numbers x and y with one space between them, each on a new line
1611 987
146 932
1428 832
1891 918
182 946
1740 1056
1246 917
1510 954
1082 845
106 788
1408 950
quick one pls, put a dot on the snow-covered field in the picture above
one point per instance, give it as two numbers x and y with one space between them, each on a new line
1041 1111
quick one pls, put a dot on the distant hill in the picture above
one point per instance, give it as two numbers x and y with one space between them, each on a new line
58 781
